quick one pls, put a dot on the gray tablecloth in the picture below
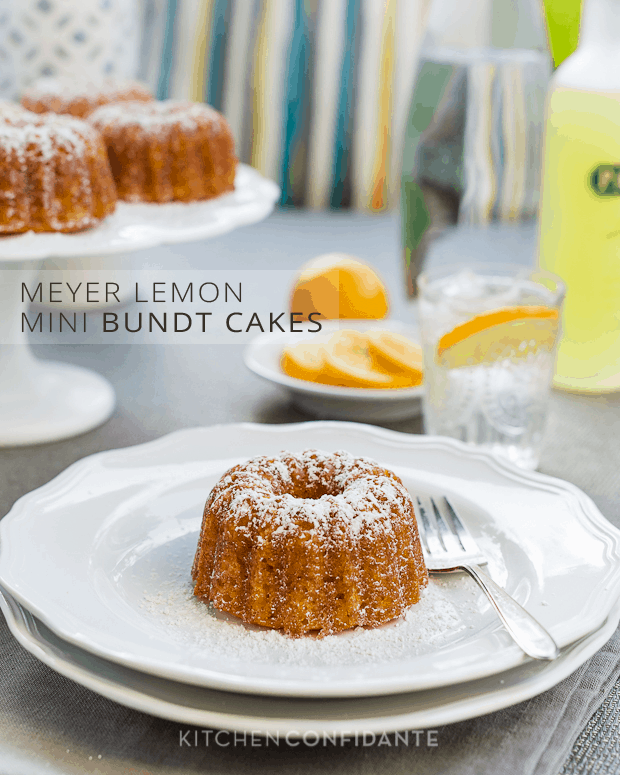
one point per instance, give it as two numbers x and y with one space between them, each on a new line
49 724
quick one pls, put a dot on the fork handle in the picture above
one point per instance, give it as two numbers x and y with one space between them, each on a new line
527 633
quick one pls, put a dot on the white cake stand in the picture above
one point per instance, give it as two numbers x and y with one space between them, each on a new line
43 401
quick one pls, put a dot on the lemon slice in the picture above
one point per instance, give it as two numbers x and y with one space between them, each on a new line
305 360
348 359
348 363
395 353
510 332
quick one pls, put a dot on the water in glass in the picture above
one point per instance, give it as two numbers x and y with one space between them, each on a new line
490 387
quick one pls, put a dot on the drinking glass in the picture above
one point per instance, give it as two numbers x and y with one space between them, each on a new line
489 335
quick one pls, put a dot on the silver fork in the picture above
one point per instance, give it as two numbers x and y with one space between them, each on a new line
449 547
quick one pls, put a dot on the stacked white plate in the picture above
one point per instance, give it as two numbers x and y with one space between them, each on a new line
95 573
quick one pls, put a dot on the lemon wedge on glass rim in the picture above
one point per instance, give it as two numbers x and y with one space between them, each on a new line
509 332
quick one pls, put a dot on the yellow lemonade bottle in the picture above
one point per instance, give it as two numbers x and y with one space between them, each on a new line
580 207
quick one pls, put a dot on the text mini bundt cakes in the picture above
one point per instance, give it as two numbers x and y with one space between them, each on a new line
56 175
167 151
79 97
310 542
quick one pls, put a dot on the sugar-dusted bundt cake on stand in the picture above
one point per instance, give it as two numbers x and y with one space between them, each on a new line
55 174
310 543
78 96
167 151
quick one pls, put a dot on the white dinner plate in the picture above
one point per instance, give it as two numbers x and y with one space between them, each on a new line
292 716
135 226
102 555
332 402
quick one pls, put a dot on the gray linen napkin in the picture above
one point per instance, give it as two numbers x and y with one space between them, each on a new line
48 724
597 748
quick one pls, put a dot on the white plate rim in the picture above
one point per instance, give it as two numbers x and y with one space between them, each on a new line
542 677
69 629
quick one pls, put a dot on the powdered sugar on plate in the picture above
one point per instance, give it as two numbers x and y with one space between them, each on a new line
443 616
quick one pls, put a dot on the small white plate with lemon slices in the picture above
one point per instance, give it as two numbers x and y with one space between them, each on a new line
263 356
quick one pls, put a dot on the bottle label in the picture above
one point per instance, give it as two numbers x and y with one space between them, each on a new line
605 180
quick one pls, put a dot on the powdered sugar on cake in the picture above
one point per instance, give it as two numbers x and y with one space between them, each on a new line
360 505
70 88
79 96
25 132
155 116
57 170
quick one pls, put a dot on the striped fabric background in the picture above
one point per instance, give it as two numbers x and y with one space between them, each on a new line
316 91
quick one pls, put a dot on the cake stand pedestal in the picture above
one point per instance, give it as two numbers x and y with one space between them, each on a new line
42 401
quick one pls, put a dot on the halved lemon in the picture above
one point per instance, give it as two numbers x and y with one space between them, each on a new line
337 285
394 352
509 332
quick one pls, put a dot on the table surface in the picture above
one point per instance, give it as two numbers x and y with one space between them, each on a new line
163 388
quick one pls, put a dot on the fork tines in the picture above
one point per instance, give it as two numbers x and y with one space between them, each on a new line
443 532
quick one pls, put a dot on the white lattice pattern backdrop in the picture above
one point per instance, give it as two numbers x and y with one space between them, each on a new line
65 37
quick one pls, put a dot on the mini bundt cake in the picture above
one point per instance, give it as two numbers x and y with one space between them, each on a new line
79 97
56 175
312 542
167 151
